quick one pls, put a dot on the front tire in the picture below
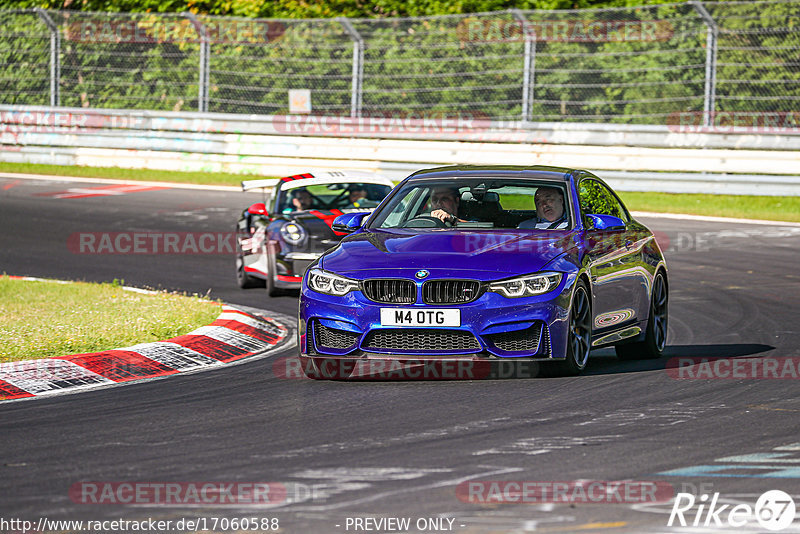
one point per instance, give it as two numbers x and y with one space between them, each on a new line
579 336
272 291
655 339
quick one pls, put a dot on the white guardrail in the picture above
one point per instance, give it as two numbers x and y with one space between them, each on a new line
632 158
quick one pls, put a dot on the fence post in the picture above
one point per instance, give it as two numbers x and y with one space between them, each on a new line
528 65
358 66
712 32
205 49
55 57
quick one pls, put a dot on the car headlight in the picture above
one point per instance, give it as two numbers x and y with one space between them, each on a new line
293 233
329 283
526 286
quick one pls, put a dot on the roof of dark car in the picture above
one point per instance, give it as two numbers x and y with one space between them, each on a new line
539 172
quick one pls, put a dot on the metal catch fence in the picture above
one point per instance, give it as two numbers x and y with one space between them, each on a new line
659 64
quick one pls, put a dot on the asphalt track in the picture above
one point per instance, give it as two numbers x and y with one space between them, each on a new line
347 450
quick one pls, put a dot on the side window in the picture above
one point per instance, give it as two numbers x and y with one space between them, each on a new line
405 208
284 201
598 199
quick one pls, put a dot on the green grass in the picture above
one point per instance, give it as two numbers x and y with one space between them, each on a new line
117 173
45 319
739 206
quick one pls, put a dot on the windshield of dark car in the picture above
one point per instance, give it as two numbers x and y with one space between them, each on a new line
480 203
343 196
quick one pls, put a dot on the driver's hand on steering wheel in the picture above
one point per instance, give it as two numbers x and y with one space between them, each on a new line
444 216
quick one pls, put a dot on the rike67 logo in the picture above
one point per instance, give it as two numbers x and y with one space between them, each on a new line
774 510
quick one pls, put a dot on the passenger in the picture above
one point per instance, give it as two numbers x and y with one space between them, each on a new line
551 210
357 192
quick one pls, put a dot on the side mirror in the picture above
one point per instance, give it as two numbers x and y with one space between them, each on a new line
349 222
258 209
605 222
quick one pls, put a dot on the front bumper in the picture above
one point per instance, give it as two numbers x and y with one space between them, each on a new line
291 266
492 328
374 367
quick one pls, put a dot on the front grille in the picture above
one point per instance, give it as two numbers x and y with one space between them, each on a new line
450 291
333 338
420 340
390 291
519 340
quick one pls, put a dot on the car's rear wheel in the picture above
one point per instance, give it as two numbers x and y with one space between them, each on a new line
579 337
244 280
655 338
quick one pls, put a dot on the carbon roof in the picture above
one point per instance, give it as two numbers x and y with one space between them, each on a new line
541 172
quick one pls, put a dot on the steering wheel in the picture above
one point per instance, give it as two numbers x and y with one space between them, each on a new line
426 221
337 201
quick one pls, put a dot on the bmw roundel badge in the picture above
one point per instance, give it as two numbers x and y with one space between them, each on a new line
422 274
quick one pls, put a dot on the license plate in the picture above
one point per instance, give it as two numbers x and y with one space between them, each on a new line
420 317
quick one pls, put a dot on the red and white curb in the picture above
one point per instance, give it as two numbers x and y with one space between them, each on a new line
233 336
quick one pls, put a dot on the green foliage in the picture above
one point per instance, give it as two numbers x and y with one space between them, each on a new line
470 66
150 175
738 206
305 9
41 319
596 199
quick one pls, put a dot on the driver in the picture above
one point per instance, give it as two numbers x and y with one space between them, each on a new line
445 201
301 199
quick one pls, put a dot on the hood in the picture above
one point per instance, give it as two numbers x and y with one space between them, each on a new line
482 255
315 220
317 223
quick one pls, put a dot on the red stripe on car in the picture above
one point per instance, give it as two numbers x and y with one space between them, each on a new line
328 218
253 270
296 177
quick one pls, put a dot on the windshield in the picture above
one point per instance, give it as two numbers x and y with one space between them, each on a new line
486 203
342 196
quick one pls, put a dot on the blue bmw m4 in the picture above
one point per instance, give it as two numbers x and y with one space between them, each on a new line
463 264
